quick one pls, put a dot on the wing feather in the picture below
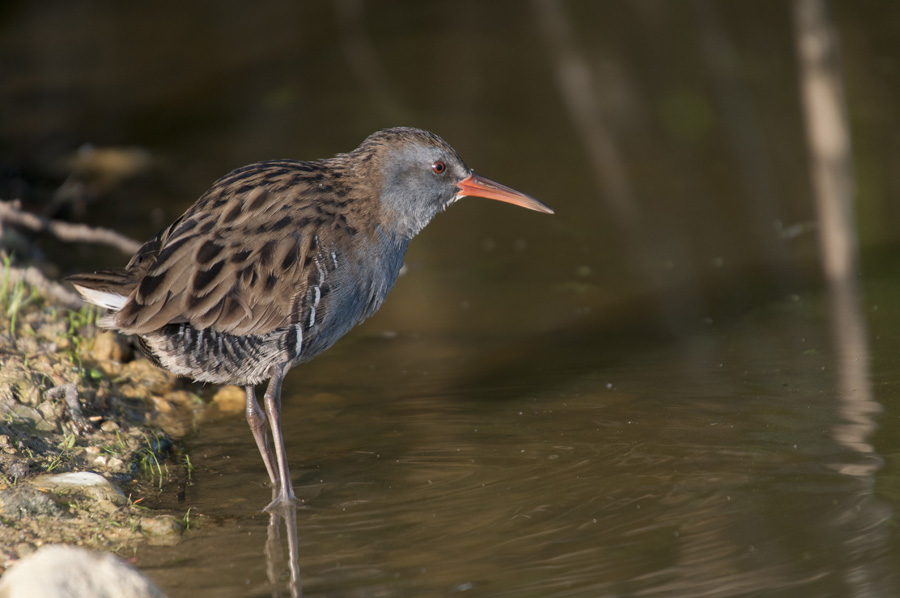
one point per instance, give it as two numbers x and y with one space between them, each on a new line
226 269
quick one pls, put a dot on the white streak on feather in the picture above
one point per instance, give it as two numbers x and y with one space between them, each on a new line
113 301
299 338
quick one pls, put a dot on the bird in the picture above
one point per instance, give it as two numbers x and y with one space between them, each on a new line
277 261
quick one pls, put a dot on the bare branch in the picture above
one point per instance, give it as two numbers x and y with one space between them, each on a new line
11 212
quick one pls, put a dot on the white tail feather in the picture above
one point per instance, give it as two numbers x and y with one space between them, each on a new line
107 322
113 301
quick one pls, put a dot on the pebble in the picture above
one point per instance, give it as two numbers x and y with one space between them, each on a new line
184 399
230 399
88 484
25 414
162 405
18 468
109 346
49 411
73 572
161 525
149 379
24 499
28 393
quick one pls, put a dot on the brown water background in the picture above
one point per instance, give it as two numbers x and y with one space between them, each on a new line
643 395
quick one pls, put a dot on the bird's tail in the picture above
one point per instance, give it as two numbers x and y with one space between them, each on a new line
106 288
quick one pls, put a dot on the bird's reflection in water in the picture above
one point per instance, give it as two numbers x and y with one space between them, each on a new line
275 554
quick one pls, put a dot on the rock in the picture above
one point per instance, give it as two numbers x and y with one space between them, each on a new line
184 400
23 499
146 379
230 399
18 468
161 525
109 346
85 483
27 391
50 411
116 464
161 530
162 405
22 414
67 571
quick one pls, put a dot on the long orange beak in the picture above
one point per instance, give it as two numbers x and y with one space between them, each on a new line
477 186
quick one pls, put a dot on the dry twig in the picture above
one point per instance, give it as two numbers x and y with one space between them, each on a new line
11 212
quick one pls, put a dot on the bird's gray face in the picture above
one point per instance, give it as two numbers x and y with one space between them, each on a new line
422 175
420 182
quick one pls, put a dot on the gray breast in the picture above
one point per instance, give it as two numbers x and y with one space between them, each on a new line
346 287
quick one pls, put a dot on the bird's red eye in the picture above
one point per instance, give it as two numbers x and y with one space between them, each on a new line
438 167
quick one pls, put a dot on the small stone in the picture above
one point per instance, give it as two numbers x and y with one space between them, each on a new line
147 378
28 415
26 499
230 399
109 346
57 570
115 464
162 405
19 468
49 410
27 393
161 525
85 483
184 399
109 426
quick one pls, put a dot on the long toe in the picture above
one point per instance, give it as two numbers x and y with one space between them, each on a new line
282 502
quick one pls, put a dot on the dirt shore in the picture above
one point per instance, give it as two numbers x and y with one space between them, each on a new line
75 399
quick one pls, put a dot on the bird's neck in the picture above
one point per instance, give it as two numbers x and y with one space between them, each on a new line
405 217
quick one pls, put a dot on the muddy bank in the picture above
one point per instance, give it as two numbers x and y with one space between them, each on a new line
75 401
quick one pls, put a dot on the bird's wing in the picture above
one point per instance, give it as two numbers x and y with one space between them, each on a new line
239 261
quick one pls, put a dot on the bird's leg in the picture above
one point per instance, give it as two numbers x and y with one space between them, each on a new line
272 399
256 417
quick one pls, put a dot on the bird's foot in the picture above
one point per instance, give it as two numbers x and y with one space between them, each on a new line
282 501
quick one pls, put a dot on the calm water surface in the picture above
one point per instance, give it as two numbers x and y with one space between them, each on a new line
723 462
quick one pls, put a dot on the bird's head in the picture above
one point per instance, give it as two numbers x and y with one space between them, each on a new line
422 175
